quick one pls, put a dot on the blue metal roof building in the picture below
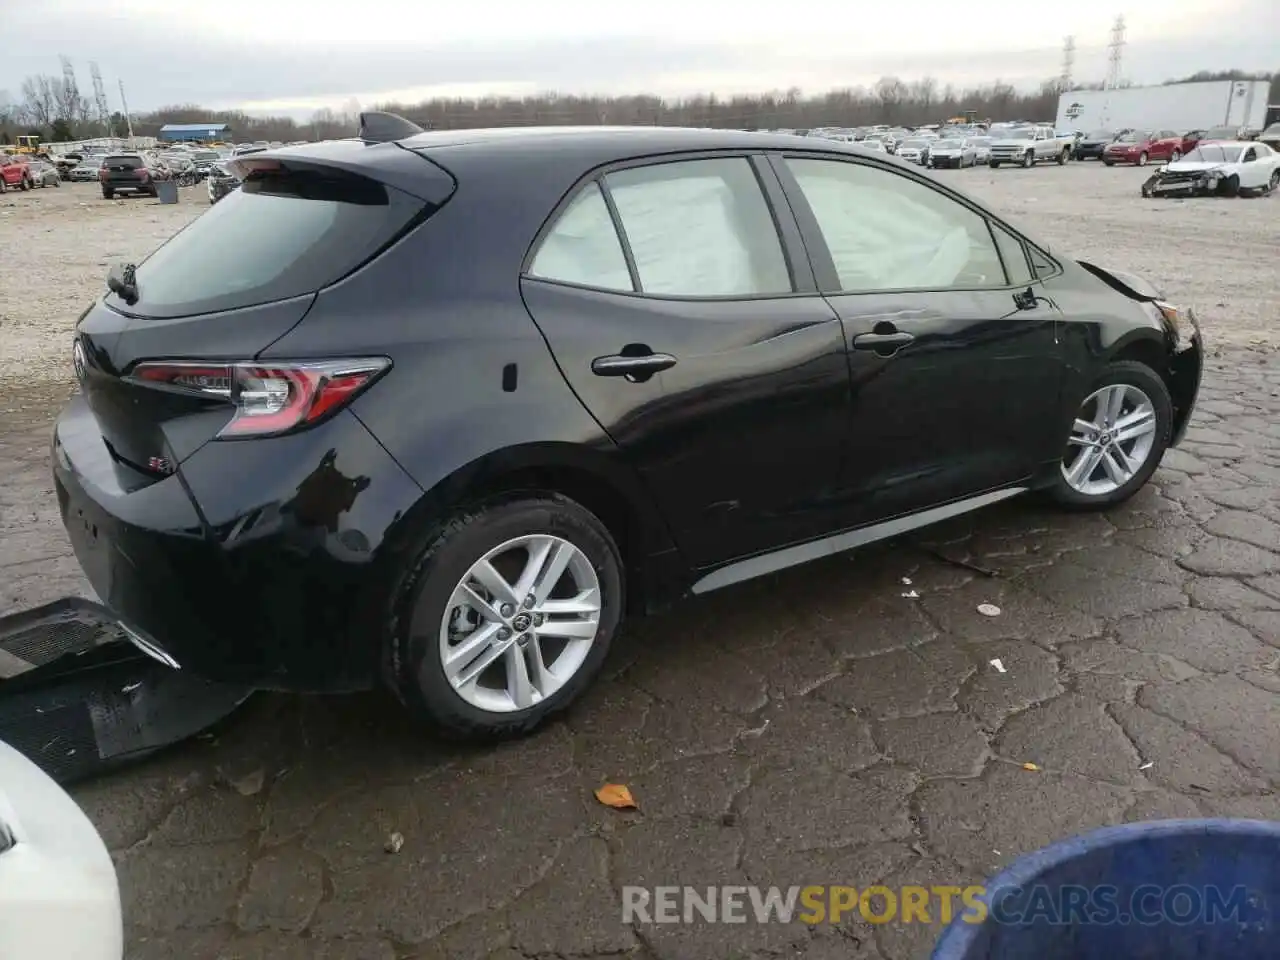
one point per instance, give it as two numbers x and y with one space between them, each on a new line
178 132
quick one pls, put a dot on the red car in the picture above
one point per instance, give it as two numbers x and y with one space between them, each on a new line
1139 146
14 172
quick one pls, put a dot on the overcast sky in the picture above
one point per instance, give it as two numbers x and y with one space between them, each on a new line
294 56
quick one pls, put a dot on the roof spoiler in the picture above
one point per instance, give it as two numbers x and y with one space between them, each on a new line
379 127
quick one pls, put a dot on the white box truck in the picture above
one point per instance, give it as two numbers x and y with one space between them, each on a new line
1175 106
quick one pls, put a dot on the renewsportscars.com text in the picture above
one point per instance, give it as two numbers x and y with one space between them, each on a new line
1066 905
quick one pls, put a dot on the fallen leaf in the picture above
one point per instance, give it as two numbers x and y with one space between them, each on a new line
617 796
394 842
999 665
248 786
1029 766
988 610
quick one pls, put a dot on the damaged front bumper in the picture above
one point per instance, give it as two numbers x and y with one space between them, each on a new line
1199 184
1186 368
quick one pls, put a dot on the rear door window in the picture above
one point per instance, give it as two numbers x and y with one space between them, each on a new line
583 247
284 233
700 228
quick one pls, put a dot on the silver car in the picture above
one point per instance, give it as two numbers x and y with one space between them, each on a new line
915 150
952 152
87 171
982 147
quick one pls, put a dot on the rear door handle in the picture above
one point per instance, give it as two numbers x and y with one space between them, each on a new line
635 368
882 342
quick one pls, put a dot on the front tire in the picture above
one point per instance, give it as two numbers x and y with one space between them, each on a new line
506 616
1063 157
1142 159
1028 160
1116 440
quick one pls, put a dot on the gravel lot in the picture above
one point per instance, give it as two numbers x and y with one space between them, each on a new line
1213 254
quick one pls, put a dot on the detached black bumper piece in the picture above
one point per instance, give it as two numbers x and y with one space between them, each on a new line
78 698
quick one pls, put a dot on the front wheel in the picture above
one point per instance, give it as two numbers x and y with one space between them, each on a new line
506 616
1117 439
1142 159
26 183
1028 160
1175 156
1063 157
993 164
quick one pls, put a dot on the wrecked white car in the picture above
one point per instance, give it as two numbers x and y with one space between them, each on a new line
1222 168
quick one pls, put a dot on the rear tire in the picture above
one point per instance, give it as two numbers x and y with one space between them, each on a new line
430 605
993 164
1109 163
1080 486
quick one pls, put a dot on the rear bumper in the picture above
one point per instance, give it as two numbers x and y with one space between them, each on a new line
258 562
59 896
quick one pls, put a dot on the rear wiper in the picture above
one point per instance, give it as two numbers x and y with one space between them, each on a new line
121 281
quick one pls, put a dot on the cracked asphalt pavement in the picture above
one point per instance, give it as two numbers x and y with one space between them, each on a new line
832 724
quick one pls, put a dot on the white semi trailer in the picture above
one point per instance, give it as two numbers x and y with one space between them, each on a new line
1174 106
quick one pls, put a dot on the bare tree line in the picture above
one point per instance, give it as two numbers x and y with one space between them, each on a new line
54 108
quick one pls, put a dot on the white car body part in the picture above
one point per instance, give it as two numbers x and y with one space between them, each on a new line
59 895
1251 162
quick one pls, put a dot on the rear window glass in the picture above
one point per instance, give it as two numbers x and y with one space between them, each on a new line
282 234
123 161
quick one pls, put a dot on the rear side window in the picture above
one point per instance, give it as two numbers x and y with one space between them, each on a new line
583 247
700 228
283 234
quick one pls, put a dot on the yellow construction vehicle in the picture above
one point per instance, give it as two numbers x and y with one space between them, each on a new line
27 144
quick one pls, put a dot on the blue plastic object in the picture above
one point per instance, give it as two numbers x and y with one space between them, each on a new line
1159 890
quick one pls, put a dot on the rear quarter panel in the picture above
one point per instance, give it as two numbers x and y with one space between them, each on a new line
474 390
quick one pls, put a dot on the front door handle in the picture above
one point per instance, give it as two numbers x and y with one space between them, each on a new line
636 368
882 343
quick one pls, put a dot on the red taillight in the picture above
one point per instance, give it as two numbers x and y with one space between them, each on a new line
269 398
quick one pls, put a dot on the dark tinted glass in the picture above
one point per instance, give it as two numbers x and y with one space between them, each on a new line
123 161
281 235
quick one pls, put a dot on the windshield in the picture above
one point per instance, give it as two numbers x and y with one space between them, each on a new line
283 234
204 155
914 144
1020 133
1136 136
1211 153
981 141
947 144
1100 135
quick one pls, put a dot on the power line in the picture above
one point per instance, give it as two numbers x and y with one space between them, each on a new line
1116 57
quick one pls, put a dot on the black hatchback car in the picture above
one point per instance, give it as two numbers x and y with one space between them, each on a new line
437 410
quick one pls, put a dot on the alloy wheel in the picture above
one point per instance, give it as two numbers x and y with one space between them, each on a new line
1111 439
520 623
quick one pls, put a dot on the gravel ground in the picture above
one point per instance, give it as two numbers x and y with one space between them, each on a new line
1214 254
